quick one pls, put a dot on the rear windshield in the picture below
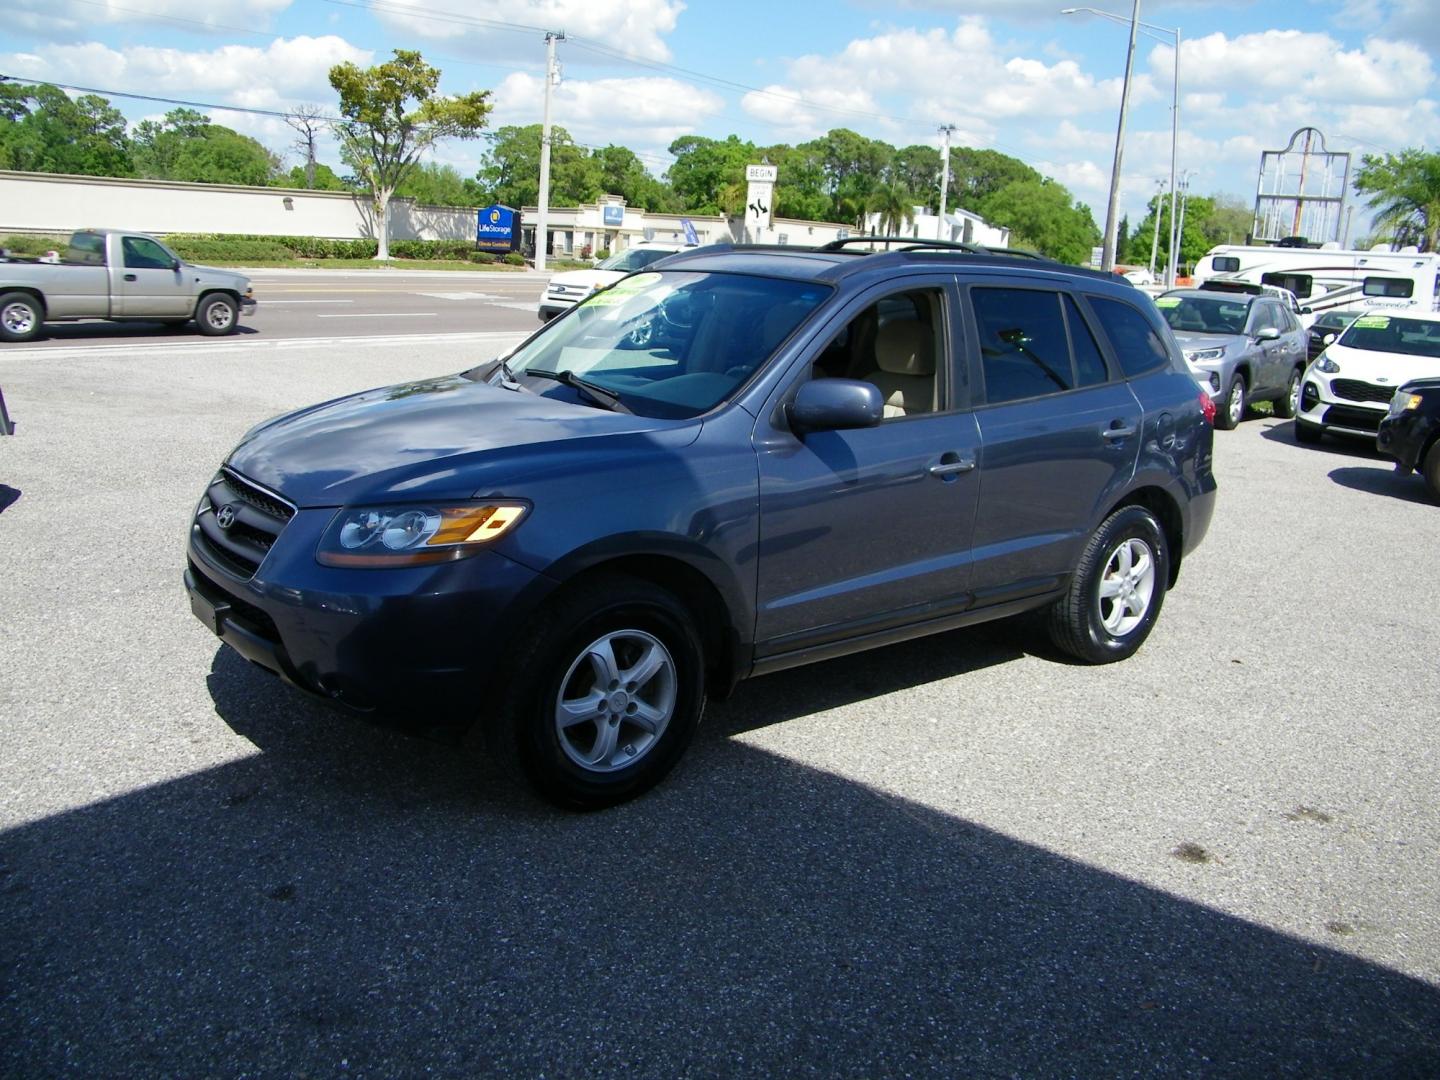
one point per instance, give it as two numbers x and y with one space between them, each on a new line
633 259
670 344
1203 315
1391 334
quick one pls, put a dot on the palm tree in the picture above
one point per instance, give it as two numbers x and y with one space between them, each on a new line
896 206
1404 192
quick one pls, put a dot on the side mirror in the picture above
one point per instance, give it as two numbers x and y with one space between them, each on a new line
835 405
175 264
1269 333
1327 339
1307 311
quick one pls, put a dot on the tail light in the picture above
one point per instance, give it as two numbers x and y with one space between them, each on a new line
1207 408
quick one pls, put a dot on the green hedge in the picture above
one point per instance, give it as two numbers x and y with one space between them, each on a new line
229 249
459 250
34 245
514 259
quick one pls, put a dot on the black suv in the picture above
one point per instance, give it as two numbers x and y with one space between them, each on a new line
738 460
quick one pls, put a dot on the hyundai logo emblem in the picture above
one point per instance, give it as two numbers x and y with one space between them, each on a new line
225 516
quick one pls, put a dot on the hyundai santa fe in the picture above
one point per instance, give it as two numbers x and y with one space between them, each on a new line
738 460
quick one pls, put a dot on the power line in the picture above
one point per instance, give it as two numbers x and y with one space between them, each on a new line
161 100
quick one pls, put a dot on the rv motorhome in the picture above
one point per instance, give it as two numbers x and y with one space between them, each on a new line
1330 276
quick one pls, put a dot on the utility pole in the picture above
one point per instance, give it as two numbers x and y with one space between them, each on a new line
1180 225
542 219
1155 241
1107 256
946 130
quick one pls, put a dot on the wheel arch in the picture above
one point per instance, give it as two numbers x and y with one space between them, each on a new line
30 291
1167 511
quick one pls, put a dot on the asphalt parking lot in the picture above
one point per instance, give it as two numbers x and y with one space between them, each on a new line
957 857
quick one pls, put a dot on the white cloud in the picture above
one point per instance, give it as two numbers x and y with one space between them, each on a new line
286 72
603 111
637 27
65 19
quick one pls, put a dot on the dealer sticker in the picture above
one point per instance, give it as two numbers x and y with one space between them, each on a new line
1168 301
1373 322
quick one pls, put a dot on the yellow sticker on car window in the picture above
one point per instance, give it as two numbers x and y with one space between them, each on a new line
622 290
1168 301
1373 322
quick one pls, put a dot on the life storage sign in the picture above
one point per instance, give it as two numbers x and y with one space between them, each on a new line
497 228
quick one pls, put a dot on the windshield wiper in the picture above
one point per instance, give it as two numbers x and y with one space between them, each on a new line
597 395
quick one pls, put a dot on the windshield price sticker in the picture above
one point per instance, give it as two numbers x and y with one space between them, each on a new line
622 290
1373 322
1168 301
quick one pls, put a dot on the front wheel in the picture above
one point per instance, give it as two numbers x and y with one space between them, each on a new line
1289 405
1232 408
605 697
21 317
1431 470
217 314
1117 590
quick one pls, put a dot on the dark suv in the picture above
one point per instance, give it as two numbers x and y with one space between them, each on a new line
739 460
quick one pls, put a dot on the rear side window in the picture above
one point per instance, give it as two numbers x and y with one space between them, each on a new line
1302 285
1380 286
1089 363
1226 264
1134 340
1024 349
87 248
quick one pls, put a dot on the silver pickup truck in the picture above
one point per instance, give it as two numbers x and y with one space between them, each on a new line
109 274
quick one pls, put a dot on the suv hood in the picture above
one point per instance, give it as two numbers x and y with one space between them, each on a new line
440 438
1380 367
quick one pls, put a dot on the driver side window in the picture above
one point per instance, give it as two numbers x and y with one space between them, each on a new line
894 344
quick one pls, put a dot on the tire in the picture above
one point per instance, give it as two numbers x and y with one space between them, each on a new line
217 314
1286 407
22 317
1117 590
1232 405
1308 434
1431 470
571 725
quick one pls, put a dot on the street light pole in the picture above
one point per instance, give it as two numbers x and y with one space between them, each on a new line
1107 256
1155 240
1153 31
542 217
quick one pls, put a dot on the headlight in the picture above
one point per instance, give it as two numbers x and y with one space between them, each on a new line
1403 401
1200 356
1325 364
383 536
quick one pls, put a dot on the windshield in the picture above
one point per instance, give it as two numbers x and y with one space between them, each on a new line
1334 320
1387 333
633 259
670 344
1221 314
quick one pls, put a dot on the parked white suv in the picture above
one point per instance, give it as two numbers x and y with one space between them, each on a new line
566 290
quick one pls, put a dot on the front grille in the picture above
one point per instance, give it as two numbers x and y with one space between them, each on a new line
1348 416
1355 390
256 519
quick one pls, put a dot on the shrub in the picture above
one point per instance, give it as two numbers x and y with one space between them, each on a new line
603 253
585 252
458 250
484 258
514 259
34 245
227 249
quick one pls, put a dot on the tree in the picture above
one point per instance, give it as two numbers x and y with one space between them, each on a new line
187 146
1040 214
308 122
323 179
381 140
434 184
917 169
707 172
1404 192
896 206
975 175
44 130
510 169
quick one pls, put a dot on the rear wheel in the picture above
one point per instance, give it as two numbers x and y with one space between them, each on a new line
1287 406
1431 469
1117 590
1308 434
605 697
216 315
21 317
1232 406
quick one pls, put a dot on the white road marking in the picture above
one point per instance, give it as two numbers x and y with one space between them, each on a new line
272 303
478 296
381 315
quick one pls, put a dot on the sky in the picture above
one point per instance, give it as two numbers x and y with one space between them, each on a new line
1016 76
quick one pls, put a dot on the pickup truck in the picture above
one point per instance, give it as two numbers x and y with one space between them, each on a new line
110 274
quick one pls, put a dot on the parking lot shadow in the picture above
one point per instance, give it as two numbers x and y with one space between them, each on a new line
1283 431
9 496
346 901
142 331
1403 486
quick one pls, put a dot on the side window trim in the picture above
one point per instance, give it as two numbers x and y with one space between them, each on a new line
1112 371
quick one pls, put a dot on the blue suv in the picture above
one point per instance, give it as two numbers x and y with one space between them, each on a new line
739 460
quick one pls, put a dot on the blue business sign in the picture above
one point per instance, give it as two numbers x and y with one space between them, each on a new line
497 228
614 215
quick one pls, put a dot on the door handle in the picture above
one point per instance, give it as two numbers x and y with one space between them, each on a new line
129 277
951 463
1117 432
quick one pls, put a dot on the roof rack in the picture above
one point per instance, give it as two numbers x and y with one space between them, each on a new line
915 243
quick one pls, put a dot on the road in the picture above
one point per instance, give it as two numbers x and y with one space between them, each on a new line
956 857
317 305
